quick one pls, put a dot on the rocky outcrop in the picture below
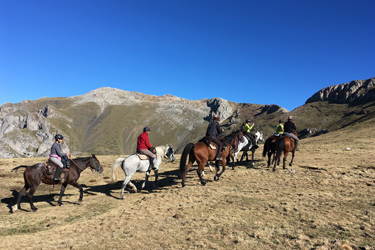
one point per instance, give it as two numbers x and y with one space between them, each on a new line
354 92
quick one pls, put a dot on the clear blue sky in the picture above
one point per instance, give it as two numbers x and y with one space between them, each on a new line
266 52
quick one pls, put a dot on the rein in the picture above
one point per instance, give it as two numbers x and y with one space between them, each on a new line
92 162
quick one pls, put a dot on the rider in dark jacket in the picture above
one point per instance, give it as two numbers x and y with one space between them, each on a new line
289 128
213 132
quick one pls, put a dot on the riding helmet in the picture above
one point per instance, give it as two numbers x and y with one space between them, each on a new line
58 136
281 121
146 129
248 120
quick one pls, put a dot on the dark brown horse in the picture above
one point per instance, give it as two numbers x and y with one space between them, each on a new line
270 148
284 145
202 153
40 172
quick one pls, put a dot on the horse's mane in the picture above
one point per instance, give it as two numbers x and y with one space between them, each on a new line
232 136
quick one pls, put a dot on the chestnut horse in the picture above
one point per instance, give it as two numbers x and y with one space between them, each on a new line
202 153
284 145
38 173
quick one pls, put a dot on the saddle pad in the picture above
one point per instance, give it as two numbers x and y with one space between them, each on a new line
142 157
213 145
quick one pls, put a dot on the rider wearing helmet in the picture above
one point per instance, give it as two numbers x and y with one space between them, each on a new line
213 132
280 128
246 129
144 145
289 128
57 156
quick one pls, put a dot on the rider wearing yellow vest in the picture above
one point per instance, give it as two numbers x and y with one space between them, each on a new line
246 129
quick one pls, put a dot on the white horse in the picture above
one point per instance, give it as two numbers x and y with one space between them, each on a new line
133 164
245 146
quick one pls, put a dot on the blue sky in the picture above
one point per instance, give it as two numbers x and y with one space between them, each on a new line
265 52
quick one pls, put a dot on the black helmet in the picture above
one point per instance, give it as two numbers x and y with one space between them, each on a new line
146 129
58 136
248 120
281 121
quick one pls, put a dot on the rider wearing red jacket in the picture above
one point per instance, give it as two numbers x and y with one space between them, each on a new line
144 145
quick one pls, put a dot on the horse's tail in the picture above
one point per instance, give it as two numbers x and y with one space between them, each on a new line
118 162
184 157
280 148
16 168
265 148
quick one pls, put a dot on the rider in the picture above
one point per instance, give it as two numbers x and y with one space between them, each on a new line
289 128
213 132
59 158
280 128
144 145
246 129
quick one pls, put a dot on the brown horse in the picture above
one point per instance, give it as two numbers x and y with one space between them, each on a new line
285 144
40 172
270 148
202 153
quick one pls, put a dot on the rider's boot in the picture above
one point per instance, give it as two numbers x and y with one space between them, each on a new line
58 172
296 145
66 162
255 144
218 154
151 164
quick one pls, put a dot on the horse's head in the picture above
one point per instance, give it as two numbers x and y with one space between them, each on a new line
170 153
259 136
95 164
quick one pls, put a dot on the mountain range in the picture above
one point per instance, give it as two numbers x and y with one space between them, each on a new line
107 121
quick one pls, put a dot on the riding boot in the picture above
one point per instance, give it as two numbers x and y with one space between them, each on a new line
296 145
152 164
218 154
58 172
66 162
254 143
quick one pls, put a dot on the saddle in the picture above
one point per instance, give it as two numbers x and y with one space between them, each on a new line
50 167
210 143
143 156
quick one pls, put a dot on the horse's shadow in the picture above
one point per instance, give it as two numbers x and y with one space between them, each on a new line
166 179
49 198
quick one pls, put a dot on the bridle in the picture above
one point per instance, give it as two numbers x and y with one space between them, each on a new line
94 166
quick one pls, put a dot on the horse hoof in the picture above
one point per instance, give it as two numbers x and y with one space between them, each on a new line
14 208
61 205
216 178
34 209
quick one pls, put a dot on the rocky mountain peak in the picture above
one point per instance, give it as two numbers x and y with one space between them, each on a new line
354 92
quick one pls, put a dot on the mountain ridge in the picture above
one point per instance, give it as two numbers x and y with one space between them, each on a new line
108 120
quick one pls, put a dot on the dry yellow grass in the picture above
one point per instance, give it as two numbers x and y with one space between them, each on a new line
325 201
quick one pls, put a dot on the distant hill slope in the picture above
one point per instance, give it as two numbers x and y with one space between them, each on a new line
108 120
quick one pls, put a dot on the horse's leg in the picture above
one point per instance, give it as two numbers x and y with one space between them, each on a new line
188 166
269 154
252 157
30 195
199 172
156 173
126 181
62 191
284 159
291 162
20 194
74 184
148 172
243 155
217 176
